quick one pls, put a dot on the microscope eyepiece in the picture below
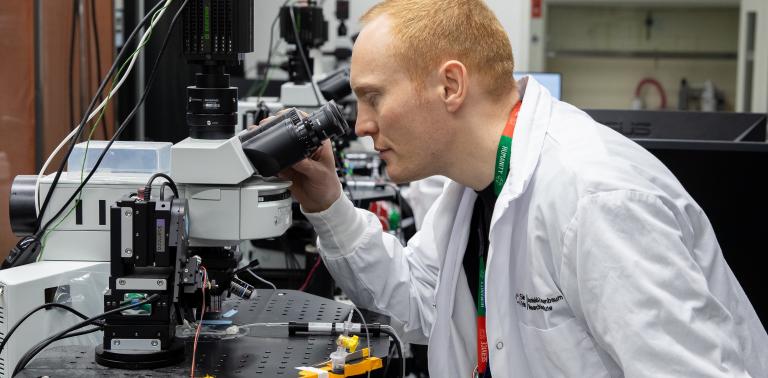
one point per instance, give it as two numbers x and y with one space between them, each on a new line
328 122
288 138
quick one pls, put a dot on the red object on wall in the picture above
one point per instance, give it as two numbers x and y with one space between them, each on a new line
658 86
535 8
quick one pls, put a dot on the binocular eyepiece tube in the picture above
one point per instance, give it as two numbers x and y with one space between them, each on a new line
289 138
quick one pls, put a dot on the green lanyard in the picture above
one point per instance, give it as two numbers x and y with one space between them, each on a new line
503 155
504 152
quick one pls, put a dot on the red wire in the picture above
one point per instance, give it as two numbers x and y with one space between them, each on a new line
200 323
656 84
309 276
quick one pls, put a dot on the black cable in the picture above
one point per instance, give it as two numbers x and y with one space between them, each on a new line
391 352
162 190
288 264
148 187
391 334
24 360
95 29
290 257
339 162
80 333
72 66
112 69
269 53
251 264
33 241
128 119
303 56
34 310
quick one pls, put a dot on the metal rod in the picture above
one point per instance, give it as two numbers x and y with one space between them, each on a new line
641 54
84 89
38 36
140 80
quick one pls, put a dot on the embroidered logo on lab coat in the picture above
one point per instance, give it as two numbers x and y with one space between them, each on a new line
535 303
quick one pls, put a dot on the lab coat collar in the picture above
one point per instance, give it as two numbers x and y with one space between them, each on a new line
530 131
527 142
531 128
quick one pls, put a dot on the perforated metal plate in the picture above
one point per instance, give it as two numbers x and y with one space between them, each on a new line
275 355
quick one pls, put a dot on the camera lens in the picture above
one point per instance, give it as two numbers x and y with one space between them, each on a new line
212 105
288 138
21 205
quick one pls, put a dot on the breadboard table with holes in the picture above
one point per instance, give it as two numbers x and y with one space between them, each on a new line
247 356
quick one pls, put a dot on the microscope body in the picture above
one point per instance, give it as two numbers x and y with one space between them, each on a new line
183 247
159 245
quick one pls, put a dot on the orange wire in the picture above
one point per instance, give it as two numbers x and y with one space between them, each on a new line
200 323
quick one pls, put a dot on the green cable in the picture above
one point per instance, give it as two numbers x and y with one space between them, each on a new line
93 129
109 96
48 232
264 83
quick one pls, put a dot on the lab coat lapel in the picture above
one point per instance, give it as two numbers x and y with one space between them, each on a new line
527 142
444 361
442 343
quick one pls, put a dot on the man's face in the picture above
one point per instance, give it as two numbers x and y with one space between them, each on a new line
406 124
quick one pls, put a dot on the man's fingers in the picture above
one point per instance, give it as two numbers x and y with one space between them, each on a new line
287 174
305 166
324 154
265 120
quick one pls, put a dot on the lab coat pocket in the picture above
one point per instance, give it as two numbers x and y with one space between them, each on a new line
562 351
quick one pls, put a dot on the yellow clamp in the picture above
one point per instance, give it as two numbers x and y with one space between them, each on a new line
348 342
350 370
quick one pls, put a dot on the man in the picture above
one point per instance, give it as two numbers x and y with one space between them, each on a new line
572 249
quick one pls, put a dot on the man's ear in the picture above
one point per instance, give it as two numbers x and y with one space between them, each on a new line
454 83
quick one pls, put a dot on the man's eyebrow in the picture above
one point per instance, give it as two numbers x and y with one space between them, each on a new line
364 88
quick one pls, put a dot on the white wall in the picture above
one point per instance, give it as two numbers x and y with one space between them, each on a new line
515 16
609 82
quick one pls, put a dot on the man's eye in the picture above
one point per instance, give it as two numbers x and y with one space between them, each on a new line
373 99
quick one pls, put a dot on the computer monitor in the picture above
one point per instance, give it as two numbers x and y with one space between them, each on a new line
727 179
665 124
553 81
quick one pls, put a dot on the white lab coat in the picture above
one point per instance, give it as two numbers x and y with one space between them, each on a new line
600 265
421 194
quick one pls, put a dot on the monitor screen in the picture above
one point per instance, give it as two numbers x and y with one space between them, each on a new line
550 80
726 180
664 124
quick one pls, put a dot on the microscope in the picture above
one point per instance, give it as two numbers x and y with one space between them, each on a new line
303 28
177 247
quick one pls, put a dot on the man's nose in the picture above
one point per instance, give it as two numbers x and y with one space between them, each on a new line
366 128
365 125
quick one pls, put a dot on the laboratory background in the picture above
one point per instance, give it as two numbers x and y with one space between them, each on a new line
107 115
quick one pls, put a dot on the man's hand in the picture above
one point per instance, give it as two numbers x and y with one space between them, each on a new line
315 183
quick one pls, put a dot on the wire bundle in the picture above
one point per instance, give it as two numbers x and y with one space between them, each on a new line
27 247
68 332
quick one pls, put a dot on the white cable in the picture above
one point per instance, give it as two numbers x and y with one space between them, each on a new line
399 341
261 279
95 112
367 334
